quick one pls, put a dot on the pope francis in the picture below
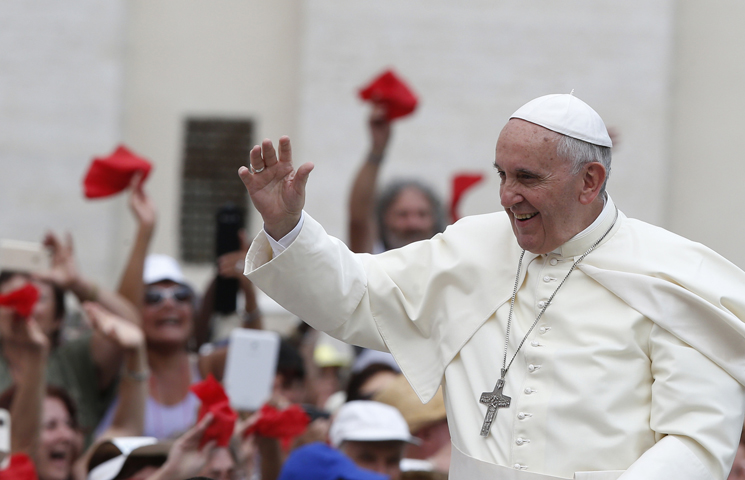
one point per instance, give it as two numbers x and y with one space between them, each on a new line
570 340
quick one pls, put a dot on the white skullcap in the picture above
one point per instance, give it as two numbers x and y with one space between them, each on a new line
568 115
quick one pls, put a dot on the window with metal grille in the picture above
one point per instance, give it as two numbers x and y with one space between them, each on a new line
214 150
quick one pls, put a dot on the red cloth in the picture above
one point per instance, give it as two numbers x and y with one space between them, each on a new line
392 92
215 401
461 184
109 175
283 424
22 300
20 468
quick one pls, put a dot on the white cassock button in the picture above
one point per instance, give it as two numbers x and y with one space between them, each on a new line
541 304
553 261
531 367
517 466
546 279
521 415
521 441
528 391
535 343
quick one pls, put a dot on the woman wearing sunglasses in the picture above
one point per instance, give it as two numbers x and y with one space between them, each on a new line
156 285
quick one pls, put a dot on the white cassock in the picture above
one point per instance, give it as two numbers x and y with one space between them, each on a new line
635 370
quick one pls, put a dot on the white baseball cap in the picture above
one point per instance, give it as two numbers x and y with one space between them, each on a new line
568 115
110 456
367 421
159 267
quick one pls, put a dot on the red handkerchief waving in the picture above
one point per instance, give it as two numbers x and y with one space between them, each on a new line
20 468
215 401
110 175
393 93
283 424
21 300
462 183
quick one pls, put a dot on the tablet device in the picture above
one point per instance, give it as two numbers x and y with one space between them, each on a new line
251 367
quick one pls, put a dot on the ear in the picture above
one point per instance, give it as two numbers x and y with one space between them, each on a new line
593 177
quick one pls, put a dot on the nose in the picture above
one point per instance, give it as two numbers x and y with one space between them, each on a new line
509 194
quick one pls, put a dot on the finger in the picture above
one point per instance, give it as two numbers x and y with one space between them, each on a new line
257 163
268 152
378 114
245 175
208 447
50 241
134 183
301 178
285 149
68 240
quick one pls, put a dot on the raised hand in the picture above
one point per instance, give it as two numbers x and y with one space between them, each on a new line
63 272
380 131
122 332
276 189
140 204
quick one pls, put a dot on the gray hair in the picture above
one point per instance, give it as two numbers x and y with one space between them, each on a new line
389 194
580 153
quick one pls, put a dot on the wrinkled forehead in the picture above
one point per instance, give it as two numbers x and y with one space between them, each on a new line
526 133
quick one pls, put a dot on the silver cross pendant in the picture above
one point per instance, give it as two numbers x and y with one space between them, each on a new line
494 399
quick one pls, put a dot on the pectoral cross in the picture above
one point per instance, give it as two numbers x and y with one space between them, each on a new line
495 400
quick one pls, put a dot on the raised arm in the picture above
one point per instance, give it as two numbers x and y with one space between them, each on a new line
131 286
276 189
362 225
64 273
129 416
31 350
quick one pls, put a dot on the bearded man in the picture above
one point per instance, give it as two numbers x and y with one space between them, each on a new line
570 340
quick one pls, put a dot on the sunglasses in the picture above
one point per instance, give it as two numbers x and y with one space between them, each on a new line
157 295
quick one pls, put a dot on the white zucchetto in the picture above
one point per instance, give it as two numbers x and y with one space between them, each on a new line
568 115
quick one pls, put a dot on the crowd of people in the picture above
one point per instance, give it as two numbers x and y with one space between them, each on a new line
118 401
123 401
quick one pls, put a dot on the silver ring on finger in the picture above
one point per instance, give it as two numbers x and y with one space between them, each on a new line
257 170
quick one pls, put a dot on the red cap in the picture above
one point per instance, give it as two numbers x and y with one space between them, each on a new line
392 92
109 175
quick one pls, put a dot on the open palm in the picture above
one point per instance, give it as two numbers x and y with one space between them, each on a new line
276 189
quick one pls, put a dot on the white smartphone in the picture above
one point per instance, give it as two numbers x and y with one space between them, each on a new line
251 367
21 256
4 438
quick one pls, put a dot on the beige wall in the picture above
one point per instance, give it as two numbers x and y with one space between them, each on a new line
473 63
708 164
61 67
229 58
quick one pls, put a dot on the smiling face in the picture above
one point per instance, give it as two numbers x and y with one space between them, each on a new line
166 314
409 218
547 204
59 442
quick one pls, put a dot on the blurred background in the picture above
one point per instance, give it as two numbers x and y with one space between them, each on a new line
192 85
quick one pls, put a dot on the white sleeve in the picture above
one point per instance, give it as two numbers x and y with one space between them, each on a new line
697 413
279 246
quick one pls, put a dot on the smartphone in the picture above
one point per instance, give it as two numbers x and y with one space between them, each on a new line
229 223
4 438
20 256
251 367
